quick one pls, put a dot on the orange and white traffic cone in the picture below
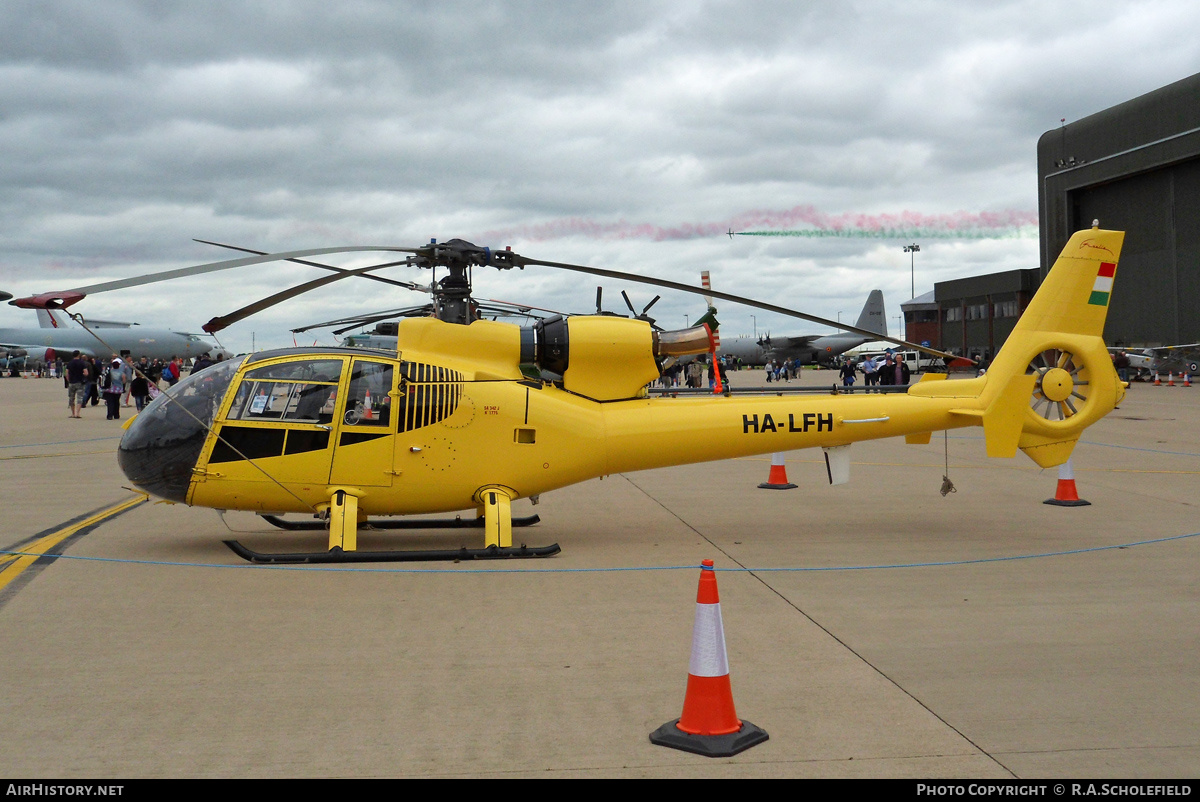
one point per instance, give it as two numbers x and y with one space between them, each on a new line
777 478
1065 495
1187 380
709 725
368 410
1157 379
1171 379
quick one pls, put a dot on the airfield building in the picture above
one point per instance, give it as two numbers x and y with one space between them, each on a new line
1135 167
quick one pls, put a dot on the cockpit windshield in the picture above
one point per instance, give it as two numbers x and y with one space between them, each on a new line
161 446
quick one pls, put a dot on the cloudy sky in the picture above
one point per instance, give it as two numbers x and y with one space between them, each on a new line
622 135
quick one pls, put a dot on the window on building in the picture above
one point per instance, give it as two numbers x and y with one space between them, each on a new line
977 311
1008 309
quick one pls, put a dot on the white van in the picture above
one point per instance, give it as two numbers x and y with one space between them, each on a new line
916 360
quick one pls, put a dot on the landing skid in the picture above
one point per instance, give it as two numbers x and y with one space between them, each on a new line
337 555
436 523
495 519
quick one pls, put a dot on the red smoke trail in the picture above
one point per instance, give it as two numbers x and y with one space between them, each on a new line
811 223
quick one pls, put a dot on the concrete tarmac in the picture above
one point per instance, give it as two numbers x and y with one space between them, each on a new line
875 629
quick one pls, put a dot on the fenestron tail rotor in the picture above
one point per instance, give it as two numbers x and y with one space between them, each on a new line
1061 386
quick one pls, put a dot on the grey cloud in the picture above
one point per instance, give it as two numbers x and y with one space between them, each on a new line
130 127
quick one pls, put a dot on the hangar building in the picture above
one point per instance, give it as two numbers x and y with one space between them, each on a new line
1136 167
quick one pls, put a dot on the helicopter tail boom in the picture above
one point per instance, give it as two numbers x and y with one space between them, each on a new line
1052 379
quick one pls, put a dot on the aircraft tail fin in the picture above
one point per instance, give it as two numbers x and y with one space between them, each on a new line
873 317
1054 372
1073 299
1054 376
52 319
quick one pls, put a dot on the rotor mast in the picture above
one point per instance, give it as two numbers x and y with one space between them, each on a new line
452 302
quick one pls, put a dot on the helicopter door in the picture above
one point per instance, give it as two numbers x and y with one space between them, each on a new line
279 424
365 430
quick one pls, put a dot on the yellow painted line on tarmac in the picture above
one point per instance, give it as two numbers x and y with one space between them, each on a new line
15 564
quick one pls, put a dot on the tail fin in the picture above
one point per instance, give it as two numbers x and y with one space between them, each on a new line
1074 297
1054 370
872 317
1054 377
52 319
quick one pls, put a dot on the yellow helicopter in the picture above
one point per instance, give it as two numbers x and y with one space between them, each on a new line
451 421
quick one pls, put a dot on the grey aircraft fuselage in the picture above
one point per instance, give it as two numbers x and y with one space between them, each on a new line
809 348
820 350
41 345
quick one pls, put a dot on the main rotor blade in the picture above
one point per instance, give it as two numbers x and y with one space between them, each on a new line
737 299
408 285
521 308
212 267
488 304
502 260
353 321
412 311
219 323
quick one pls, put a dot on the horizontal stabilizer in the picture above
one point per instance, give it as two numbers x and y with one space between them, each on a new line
1003 419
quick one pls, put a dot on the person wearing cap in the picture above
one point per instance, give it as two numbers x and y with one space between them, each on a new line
887 369
112 387
870 372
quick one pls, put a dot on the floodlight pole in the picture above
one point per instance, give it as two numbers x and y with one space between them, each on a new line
911 250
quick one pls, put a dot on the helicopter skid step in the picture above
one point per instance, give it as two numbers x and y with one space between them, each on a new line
337 555
434 523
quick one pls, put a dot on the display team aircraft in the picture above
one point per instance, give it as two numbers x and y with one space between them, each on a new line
451 421
810 348
58 336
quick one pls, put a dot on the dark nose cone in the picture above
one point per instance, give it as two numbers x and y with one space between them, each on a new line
161 446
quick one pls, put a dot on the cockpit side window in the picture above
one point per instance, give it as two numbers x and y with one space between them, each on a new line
302 391
369 402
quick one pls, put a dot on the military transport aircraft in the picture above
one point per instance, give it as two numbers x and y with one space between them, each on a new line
809 348
58 336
